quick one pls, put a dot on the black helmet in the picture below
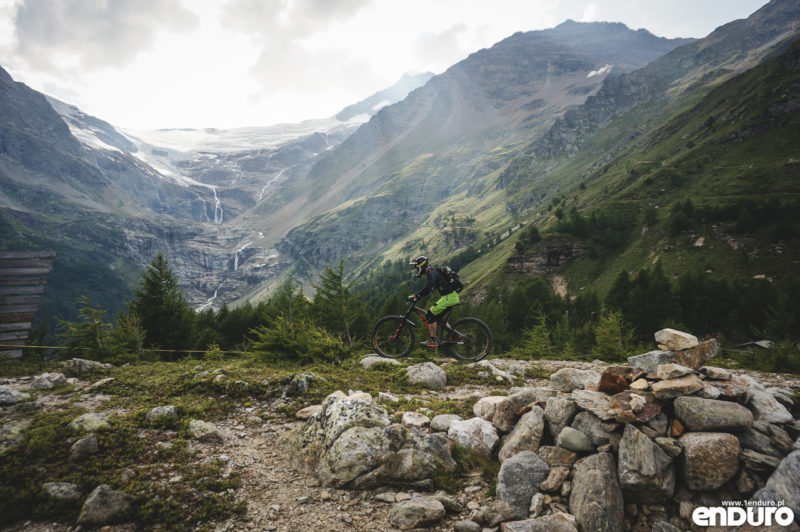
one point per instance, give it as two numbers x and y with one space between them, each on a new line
420 264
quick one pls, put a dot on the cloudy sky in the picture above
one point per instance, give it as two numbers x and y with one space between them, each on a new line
145 64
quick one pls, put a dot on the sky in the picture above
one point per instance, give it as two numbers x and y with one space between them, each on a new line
147 64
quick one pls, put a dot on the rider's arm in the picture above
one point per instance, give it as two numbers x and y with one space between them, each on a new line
433 276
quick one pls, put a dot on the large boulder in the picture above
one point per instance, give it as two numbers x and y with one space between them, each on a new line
91 422
475 434
709 459
596 498
646 473
519 479
10 396
710 415
764 405
353 443
46 381
486 406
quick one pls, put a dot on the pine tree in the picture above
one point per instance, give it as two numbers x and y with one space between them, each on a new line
336 307
87 338
161 306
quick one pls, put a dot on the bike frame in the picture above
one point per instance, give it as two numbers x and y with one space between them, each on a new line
421 313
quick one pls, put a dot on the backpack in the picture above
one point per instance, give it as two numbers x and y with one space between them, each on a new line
454 284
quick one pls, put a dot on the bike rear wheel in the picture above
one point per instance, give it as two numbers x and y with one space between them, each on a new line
470 339
392 337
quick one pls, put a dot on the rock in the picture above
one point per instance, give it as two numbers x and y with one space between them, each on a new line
709 415
782 485
497 372
595 402
526 435
519 478
415 419
784 396
672 371
734 389
76 367
709 459
475 434
669 446
498 512
568 379
508 411
646 473
10 396
12 434
83 448
557 522
640 385
104 506
633 406
596 498
670 339
352 443
557 456
717 374
416 513
384 397
558 412
46 381
205 431
649 362
764 405
485 406
574 440
427 374
696 356
660 424
756 461
91 422
62 491
466 526
598 431
671 388
611 383
537 504
555 479
441 423
162 413
307 412
359 395
373 360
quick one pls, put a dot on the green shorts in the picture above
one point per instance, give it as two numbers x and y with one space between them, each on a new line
445 302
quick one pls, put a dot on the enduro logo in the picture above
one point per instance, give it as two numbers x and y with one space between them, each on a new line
755 513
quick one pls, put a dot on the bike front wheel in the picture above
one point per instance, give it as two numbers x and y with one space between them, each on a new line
392 337
470 339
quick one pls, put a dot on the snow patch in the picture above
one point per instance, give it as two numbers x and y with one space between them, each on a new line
600 72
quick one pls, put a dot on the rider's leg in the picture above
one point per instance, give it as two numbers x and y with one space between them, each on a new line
441 305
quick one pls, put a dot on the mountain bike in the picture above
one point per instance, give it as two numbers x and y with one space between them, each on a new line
467 339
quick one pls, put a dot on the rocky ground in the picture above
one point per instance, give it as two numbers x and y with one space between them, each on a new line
251 444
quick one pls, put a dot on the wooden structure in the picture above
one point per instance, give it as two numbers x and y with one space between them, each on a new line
23 275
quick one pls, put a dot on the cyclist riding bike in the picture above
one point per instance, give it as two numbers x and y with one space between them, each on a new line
436 281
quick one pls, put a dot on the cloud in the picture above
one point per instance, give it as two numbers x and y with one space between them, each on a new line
91 34
439 49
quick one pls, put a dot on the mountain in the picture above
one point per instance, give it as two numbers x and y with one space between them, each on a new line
107 200
444 141
395 93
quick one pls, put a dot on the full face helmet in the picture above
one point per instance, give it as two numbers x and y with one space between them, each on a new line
420 264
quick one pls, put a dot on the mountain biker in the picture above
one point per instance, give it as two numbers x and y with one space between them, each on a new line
436 280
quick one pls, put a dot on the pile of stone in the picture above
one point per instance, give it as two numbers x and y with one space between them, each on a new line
634 447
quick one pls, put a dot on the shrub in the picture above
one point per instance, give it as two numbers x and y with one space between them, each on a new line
296 340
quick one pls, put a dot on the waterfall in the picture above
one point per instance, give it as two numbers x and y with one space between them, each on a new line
208 303
274 179
217 207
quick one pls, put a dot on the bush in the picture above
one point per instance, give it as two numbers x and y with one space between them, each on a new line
296 340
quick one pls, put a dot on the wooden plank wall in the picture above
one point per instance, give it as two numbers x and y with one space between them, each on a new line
23 275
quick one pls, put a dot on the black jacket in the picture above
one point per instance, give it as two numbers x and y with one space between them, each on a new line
436 280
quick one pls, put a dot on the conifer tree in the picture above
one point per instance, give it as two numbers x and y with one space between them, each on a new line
336 307
162 308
